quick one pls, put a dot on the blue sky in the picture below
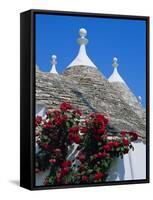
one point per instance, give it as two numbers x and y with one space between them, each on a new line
122 38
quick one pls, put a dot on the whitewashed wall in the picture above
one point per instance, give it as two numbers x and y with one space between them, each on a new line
40 110
131 167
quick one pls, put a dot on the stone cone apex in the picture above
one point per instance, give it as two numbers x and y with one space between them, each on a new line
115 77
53 63
82 58
124 92
37 68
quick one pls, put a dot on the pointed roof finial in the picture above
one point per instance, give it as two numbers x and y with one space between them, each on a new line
82 40
54 63
140 99
115 64
82 57
115 77
37 68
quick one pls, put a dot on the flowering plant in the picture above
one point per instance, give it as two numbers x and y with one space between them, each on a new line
75 148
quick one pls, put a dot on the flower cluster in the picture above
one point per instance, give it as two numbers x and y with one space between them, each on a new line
60 129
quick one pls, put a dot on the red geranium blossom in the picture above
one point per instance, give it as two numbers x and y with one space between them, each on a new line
84 178
38 120
123 133
64 171
48 113
48 124
77 111
99 175
76 139
52 161
125 141
81 157
101 131
101 155
65 106
45 146
84 130
56 113
66 163
64 118
107 147
74 129
133 135
116 144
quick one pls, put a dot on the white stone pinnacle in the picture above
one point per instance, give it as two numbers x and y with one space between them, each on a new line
53 63
37 68
115 77
82 57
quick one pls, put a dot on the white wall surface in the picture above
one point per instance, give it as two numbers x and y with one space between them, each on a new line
9 90
131 167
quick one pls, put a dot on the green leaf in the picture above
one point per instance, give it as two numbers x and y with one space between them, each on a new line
68 124
89 171
51 180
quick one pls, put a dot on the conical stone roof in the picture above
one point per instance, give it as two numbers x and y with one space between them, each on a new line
122 89
87 88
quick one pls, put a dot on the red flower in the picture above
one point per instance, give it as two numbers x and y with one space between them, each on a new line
77 111
81 157
123 133
45 146
116 144
133 135
48 113
67 163
52 161
107 147
125 142
76 139
113 144
64 118
84 130
38 120
73 129
92 115
56 113
84 178
101 131
99 175
65 170
98 138
57 121
101 155
100 119
47 125
65 106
